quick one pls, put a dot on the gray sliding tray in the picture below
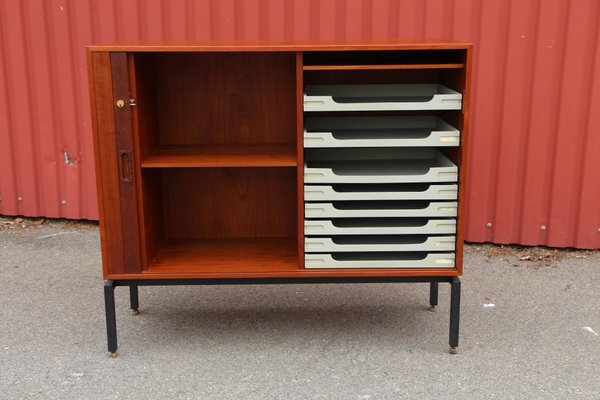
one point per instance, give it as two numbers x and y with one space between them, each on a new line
379 243
379 226
422 96
416 131
379 260
383 165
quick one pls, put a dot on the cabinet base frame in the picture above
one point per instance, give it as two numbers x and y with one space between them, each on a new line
110 285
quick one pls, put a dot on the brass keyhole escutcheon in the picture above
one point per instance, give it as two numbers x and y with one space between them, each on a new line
120 103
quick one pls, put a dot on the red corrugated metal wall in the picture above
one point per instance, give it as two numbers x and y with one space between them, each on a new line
535 151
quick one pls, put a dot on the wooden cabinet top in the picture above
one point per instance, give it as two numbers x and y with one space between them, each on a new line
299 45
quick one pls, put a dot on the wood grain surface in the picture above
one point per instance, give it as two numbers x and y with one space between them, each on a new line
184 156
229 202
217 145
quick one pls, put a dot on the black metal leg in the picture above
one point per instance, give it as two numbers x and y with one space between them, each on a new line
111 318
134 299
454 313
433 296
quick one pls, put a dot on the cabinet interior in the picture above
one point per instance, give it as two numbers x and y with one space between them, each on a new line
216 134
218 145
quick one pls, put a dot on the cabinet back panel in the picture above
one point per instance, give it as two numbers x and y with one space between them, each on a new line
383 57
229 202
225 98
371 77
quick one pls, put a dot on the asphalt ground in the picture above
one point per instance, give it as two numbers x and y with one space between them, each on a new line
530 320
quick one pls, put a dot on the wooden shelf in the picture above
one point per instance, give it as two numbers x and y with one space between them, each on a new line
190 156
226 255
379 67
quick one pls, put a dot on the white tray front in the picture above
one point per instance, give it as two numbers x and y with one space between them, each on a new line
378 243
379 260
379 226
417 131
381 192
383 209
381 97
433 166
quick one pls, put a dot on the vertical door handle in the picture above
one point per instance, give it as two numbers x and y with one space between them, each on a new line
125 166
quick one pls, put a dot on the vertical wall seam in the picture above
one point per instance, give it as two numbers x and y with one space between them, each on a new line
423 10
340 28
76 100
139 20
264 18
238 23
50 51
93 35
190 12
9 122
527 123
556 116
588 112
449 8
367 19
118 21
290 21
499 122
163 18
57 120
477 22
393 11
214 16
314 22
32 111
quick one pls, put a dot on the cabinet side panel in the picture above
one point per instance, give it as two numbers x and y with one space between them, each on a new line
127 163
106 164
460 80
462 165
300 156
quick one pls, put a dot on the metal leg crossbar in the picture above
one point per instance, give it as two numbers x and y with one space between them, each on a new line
111 319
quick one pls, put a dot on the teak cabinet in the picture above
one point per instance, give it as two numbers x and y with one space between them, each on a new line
223 163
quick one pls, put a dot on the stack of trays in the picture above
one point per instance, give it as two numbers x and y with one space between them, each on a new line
379 192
